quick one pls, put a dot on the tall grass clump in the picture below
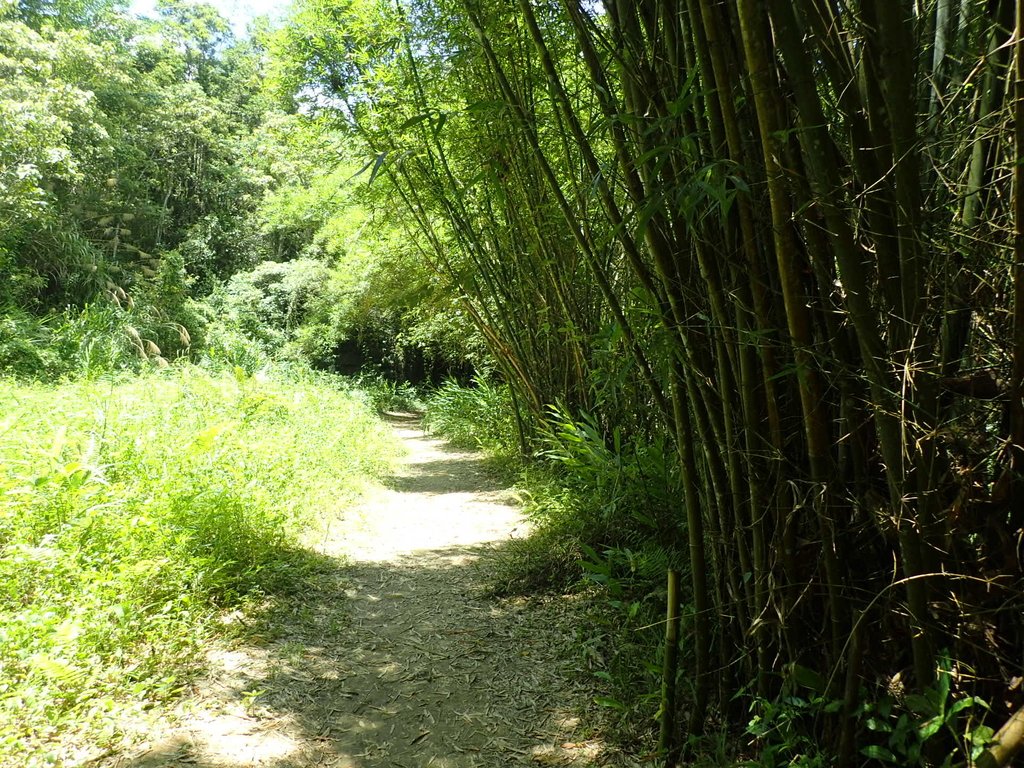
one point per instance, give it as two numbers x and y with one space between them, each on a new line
75 343
476 417
132 513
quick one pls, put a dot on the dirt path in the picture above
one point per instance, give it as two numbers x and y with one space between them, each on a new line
399 659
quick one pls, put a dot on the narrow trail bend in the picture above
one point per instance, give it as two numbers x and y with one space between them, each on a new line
399 658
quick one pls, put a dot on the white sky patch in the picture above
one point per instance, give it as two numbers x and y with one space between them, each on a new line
238 12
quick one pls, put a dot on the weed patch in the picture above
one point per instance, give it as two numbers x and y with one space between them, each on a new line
132 513
477 417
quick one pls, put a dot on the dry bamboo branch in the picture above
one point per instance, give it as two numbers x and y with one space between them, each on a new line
1007 742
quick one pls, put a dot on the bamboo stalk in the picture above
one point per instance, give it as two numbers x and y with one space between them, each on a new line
1017 381
667 733
751 13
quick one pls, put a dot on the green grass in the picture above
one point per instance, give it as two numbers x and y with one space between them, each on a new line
477 417
133 512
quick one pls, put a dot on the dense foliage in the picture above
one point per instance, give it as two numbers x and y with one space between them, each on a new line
783 234
146 163
746 277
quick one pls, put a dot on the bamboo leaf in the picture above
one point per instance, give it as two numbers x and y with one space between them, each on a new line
413 121
439 124
921 705
808 678
610 703
878 753
378 164
487 105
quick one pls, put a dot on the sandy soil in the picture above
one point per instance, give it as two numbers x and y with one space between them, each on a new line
398 657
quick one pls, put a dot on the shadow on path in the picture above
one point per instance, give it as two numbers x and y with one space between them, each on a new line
398 659
447 476
407 672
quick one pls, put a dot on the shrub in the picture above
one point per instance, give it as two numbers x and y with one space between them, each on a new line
95 340
24 345
386 395
115 335
269 303
165 313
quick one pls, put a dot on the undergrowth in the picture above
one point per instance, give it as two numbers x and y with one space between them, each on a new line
605 514
134 512
477 417
387 396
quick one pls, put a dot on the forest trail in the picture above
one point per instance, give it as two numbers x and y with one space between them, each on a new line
399 658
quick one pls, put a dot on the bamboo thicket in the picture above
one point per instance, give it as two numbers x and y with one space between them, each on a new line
784 233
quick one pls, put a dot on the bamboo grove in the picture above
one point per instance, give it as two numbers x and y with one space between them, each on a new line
788 234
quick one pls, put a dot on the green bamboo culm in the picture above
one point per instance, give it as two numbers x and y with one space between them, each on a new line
667 734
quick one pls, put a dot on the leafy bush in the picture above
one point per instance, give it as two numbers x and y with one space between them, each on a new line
117 334
548 560
386 395
894 728
632 482
165 313
130 513
620 642
228 348
24 341
269 303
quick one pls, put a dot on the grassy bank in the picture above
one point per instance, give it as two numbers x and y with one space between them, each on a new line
133 513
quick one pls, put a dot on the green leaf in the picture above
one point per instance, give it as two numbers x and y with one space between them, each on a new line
879 726
980 738
378 163
929 728
806 677
58 670
878 753
961 705
921 705
982 735
486 106
885 707
415 120
439 124
943 682
610 703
